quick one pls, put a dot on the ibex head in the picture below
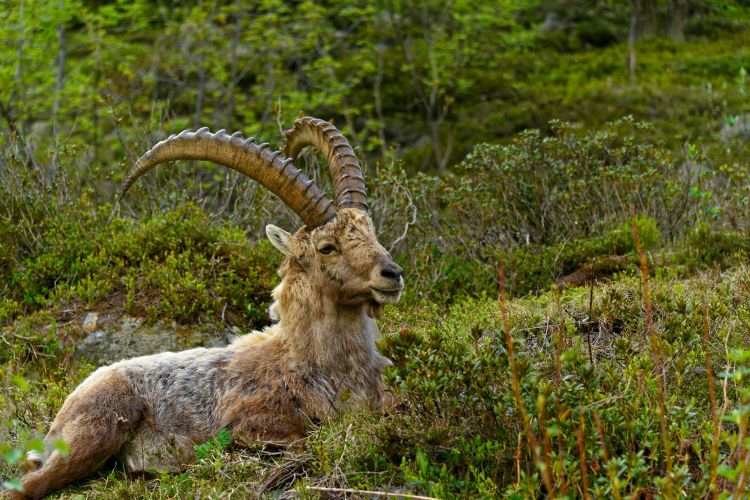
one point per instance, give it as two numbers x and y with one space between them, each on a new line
343 259
337 248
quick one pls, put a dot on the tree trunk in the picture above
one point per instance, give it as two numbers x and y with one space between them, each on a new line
93 34
647 21
229 108
8 115
631 39
379 107
17 89
201 92
679 10
59 83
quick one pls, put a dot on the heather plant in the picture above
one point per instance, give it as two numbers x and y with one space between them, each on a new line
182 265
558 204
592 410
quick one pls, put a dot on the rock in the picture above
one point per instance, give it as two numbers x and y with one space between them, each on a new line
736 128
601 268
128 337
89 323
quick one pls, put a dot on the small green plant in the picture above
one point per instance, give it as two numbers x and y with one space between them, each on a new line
736 466
216 444
13 454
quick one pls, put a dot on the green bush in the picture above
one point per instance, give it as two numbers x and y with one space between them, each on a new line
534 268
181 265
707 246
552 204
548 189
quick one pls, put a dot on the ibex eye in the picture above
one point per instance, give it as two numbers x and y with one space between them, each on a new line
325 250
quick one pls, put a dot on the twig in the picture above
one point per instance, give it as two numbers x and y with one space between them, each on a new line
369 492
278 116
591 306
406 226
118 130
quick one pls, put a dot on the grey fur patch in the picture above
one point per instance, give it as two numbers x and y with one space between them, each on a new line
35 456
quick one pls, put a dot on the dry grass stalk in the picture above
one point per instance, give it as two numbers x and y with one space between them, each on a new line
741 491
546 441
369 492
559 340
656 353
562 483
742 454
559 349
581 437
515 381
518 460
590 322
712 396
603 444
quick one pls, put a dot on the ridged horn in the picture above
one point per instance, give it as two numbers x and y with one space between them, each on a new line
348 181
258 161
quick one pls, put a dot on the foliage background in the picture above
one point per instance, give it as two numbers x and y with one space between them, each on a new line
521 130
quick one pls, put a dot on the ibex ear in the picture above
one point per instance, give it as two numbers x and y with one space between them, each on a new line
280 239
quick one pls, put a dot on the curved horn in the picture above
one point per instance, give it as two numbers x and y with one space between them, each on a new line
254 160
348 181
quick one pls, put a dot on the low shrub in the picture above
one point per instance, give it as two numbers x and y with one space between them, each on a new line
708 246
180 265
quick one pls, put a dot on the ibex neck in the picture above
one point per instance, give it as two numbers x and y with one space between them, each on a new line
328 334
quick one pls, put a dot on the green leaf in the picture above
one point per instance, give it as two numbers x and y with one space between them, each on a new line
219 442
12 456
739 355
13 484
224 438
729 472
36 445
62 447
19 382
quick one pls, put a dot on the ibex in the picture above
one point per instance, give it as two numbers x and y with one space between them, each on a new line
267 386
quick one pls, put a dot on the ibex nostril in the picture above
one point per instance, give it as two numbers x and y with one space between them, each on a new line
387 273
391 272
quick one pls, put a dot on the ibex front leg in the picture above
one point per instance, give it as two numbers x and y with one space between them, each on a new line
266 420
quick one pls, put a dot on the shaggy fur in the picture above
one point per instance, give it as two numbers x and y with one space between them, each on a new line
266 387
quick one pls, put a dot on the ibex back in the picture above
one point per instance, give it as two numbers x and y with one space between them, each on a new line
267 386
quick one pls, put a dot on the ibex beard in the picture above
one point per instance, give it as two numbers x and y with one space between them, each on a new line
267 386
